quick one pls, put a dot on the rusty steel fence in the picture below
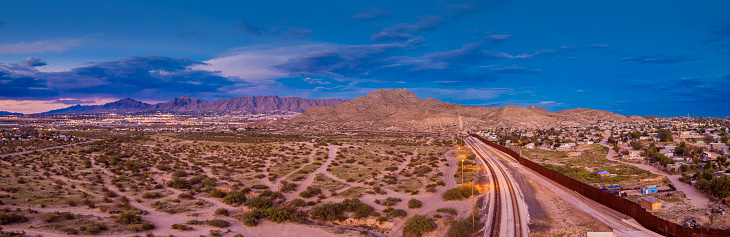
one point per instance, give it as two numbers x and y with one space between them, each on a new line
619 204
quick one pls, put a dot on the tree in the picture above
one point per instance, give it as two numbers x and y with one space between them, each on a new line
636 145
708 139
611 140
665 135
418 225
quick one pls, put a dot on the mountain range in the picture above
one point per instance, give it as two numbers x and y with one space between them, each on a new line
251 104
399 109
9 113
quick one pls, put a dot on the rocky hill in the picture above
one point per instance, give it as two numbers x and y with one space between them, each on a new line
251 104
399 109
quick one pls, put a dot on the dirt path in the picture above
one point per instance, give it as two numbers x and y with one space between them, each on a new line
42 149
311 160
434 201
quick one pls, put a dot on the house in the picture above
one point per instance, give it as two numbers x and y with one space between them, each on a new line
631 154
651 202
603 174
530 146
649 189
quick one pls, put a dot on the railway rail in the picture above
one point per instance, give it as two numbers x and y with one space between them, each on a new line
496 221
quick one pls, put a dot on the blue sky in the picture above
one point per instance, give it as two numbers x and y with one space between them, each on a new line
630 57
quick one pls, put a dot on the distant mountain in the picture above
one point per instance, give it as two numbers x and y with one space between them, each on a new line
251 104
9 113
120 106
399 109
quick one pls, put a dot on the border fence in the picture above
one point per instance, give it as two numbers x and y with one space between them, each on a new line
619 204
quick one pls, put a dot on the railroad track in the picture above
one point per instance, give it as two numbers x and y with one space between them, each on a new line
495 225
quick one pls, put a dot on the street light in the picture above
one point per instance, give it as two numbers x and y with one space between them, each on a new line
462 171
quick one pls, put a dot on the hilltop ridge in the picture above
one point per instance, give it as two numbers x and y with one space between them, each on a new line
400 109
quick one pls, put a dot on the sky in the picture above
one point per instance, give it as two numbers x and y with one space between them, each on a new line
663 58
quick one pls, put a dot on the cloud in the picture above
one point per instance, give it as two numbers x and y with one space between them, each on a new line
259 63
278 32
659 59
315 81
516 70
498 37
53 46
142 77
33 62
404 31
371 14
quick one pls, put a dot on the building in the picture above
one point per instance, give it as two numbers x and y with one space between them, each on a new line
530 146
651 203
603 174
649 189
628 153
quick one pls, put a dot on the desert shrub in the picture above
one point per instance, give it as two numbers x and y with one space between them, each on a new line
414 203
398 213
235 198
297 202
152 195
448 210
328 212
128 217
221 212
217 193
259 202
390 201
359 209
179 173
260 186
280 214
463 191
418 225
182 227
185 196
463 227
248 219
94 229
69 230
288 187
50 217
179 183
195 222
310 192
11 218
218 223
142 227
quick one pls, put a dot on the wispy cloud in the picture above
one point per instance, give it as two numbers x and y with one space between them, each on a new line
284 32
659 59
371 14
53 46
516 70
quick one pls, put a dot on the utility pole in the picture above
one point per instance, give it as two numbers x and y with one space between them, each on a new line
473 212
462 171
